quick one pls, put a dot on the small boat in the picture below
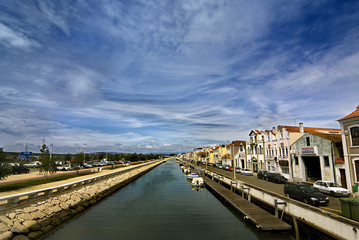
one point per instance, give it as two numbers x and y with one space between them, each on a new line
197 182
186 170
192 175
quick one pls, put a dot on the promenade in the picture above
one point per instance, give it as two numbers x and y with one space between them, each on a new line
35 175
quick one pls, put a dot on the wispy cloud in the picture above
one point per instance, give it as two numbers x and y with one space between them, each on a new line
143 76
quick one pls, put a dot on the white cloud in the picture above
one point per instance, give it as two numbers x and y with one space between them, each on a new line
14 38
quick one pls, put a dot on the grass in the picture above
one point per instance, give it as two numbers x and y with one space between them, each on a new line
30 183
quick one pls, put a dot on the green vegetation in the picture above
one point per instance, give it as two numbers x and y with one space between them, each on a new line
15 186
48 164
4 167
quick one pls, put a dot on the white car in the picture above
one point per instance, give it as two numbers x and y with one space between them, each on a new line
331 188
247 172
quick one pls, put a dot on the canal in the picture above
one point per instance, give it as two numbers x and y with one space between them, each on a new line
161 205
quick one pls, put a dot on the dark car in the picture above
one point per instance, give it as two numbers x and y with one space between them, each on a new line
305 193
262 174
276 177
18 169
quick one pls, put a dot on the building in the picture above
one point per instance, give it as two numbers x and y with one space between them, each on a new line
255 150
350 136
277 155
314 157
240 156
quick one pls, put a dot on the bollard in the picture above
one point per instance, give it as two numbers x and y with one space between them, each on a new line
243 193
276 203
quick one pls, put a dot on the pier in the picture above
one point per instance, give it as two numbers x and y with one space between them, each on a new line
261 218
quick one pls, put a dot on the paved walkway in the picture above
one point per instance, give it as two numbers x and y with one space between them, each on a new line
35 175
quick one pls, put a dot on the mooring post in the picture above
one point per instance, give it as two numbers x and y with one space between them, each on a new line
296 229
220 179
235 188
243 193
276 203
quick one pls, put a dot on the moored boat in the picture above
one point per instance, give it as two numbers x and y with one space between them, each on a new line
192 175
197 182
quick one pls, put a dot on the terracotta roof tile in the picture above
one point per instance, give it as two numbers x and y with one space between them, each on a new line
310 129
353 114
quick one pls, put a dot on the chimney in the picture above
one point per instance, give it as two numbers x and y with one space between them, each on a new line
301 128
274 130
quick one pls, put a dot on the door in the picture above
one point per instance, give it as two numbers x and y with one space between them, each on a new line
343 179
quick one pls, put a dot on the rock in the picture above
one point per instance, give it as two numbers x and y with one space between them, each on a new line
19 228
12 215
47 228
21 237
6 235
80 208
56 209
38 215
3 227
64 205
32 225
18 211
6 220
45 222
30 209
25 216
35 235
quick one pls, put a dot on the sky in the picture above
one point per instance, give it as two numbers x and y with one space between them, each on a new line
151 76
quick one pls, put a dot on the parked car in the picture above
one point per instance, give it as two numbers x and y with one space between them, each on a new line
86 165
276 177
64 168
226 166
219 166
247 172
262 174
305 193
18 169
33 164
238 169
230 169
331 188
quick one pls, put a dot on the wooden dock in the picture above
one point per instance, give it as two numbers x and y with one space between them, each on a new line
261 218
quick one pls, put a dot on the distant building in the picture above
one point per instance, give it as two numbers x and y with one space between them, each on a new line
255 150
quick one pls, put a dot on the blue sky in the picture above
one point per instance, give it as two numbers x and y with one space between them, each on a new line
167 76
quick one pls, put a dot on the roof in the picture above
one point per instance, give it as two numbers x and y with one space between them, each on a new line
310 129
256 131
335 138
353 114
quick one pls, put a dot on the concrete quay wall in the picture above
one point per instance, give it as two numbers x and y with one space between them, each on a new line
36 219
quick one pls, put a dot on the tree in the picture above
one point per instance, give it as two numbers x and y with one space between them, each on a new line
67 157
4 167
78 161
48 164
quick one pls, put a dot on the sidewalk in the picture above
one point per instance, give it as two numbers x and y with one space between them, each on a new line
57 183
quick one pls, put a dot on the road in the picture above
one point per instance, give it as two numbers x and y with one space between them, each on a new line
333 206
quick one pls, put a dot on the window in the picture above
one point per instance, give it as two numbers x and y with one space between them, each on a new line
296 161
326 161
308 141
241 148
286 151
354 131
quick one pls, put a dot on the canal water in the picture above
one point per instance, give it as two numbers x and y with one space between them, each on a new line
161 205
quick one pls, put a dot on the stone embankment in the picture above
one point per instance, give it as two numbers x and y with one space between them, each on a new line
36 219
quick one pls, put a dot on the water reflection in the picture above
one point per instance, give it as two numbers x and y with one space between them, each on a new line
161 205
